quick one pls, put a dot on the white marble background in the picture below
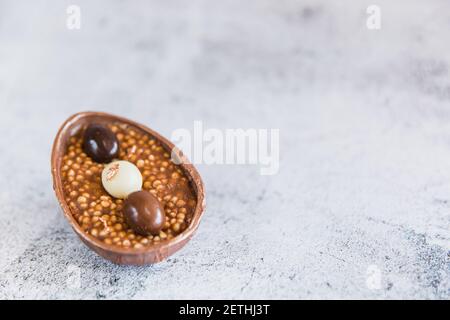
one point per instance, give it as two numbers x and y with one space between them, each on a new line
364 119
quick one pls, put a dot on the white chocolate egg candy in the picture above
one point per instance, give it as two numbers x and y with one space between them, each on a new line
120 178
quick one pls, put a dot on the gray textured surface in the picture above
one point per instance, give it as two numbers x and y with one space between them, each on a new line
364 118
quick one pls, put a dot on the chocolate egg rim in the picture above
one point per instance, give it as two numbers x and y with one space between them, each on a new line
69 128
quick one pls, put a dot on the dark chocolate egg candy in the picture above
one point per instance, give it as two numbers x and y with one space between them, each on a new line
143 213
100 143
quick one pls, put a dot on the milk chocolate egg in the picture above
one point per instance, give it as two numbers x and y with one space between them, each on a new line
143 213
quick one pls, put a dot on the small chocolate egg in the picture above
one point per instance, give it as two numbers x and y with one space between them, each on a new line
143 213
100 143
120 178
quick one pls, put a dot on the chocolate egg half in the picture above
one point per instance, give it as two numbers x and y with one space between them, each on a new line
143 213
76 206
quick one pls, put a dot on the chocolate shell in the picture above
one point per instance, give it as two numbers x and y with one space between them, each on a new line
128 256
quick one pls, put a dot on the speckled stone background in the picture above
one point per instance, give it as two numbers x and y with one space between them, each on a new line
361 205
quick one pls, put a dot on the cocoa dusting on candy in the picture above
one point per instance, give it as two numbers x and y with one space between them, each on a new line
112 171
